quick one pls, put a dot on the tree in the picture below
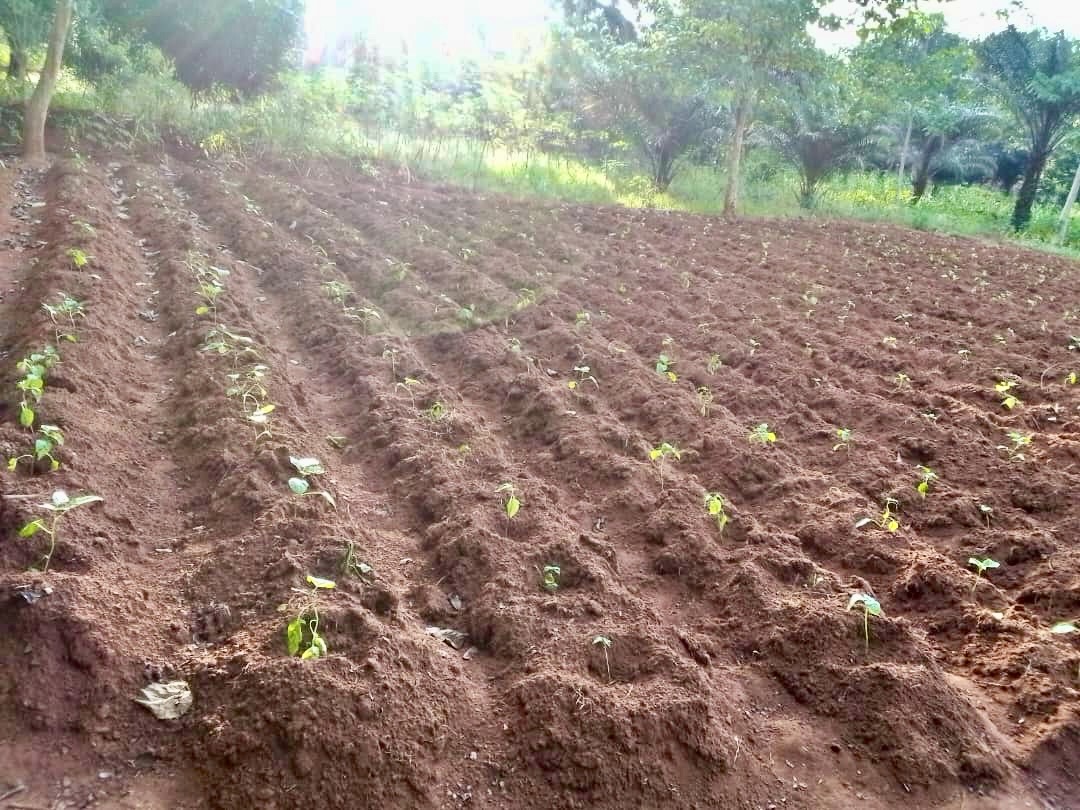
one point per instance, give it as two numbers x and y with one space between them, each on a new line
25 24
1038 76
948 132
37 107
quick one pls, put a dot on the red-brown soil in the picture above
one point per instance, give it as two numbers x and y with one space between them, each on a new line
735 676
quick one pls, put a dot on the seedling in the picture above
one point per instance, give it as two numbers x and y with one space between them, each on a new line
1008 400
351 565
49 438
981 567
511 502
436 412
705 399
843 437
714 505
1074 343
870 607
59 505
221 340
303 631
68 309
466 314
884 521
1017 442
661 453
762 435
337 291
365 315
665 365
986 510
1071 378
583 375
604 643
526 298
33 367
926 478
550 577
78 258
409 383
306 467
582 318
714 363
902 381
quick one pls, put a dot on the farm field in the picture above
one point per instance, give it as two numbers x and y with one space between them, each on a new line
591 485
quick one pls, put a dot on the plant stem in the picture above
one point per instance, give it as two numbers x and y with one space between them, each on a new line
866 627
607 663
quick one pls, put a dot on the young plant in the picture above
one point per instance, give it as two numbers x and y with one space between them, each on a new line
220 340
365 315
714 363
762 435
870 607
714 505
1017 443
67 310
884 521
661 453
902 381
981 567
59 504
303 632
1072 378
78 258
604 643
584 374
33 367
511 502
665 365
526 298
1009 400
986 511
550 577
926 478
352 565
307 467
705 400
49 438
843 437
436 412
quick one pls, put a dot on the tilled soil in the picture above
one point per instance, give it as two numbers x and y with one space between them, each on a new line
429 345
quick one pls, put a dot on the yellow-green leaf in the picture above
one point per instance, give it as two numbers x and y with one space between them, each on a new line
512 506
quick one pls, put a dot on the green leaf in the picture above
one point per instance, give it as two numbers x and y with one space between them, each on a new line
869 603
294 633
54 465
310 652
267 408
923 488
319 582
60 498
299 486
31 528
79 500
1064 628
26 416
892 525
204 310
512 506
42 448
307 465
12 463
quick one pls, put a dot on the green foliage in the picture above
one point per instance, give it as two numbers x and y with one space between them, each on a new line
981 566
760 434
58 505
1009 399
926 478
46 442
308 467
511 503
870 607
302 633
843 437
665 365
714 506
885 520
1016 446
661 453
550 578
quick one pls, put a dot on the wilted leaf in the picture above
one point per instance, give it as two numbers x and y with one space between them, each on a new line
319 582
166 701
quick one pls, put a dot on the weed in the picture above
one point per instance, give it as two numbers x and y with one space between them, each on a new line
605 644
665 365
843 440
761 434
511 502
352 565
661 453
714 505
981 567
550 578
705 399
59 505
870 607
1017 442
885 521
306 467
1009 400
926 478
49 438
302 626
78 258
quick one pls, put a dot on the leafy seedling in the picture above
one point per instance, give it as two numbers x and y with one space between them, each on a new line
48 439
526 298
762 435
584 374
665 365
436 412
926 478
68 310
704 399
408 384
714 363
302 634
59 504
884 521
352 565
604 643
307 467
1017 443
843 440
33 367
365 315
870 607
981 567
466 314
1072 378
78 258
511 502
661 453
1009 400
714 505
902 381
550 577
986 511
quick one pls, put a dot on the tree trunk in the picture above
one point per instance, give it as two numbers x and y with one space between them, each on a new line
922 171
903 156
37 108
734 158
16 69
1066 212
1025 199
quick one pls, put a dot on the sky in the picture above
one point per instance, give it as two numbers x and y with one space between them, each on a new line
453 27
